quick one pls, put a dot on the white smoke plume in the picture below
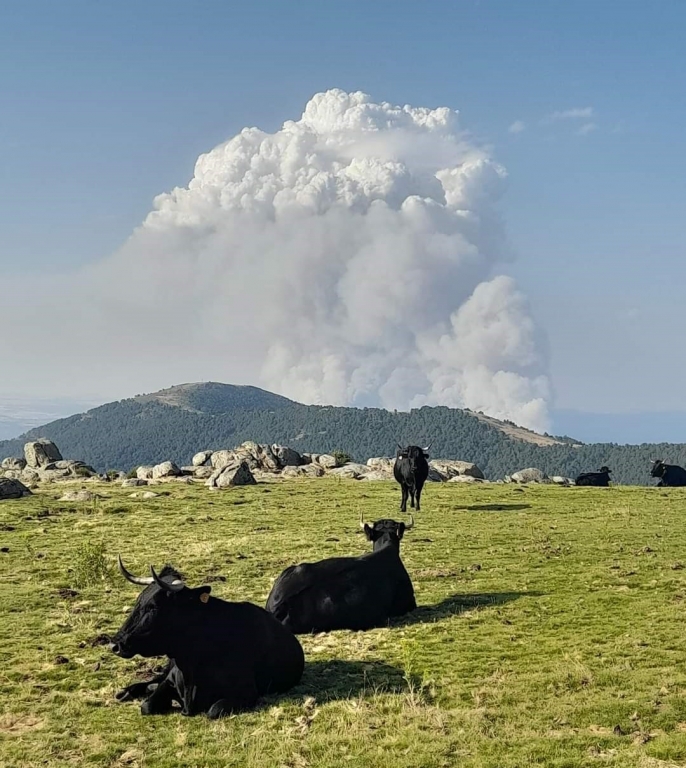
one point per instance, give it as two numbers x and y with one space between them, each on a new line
348 258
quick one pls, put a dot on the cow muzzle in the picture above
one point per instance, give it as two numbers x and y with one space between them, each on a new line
119 649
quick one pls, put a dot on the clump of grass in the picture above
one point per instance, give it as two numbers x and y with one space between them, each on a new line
90 565
341 457
132 473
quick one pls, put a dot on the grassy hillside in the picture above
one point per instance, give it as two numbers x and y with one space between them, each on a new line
175 423
549 632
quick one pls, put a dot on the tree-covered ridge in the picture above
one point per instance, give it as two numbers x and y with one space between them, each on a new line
148 429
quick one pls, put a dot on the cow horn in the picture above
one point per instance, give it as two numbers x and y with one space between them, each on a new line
142 581
426 450
410 525
400 448
175 586
362 520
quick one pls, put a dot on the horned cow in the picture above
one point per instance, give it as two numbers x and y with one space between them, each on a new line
411 470
671 475
222 656
347 592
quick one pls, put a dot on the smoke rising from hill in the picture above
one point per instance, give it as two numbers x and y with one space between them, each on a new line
349 258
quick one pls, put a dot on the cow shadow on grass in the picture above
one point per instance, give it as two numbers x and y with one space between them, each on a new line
457 604
338 679
496 507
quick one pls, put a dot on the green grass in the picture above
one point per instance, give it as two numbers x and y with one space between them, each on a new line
549 632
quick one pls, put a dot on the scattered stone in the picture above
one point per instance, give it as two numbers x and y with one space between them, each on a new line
435 476
221 459
12 489
60 660
144 473
14 474
383 464
13 463
311 470
529 475
201 458
149 495
165 469
41 452
375 474
293 471
82 495
327 461
350 470
287 457
469 479
559 480
133 482
232 475
4 550
202 473
450 468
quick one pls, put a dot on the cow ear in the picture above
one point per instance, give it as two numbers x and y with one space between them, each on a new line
368 532
199 593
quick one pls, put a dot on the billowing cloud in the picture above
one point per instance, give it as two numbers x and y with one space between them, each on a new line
348 258
517 127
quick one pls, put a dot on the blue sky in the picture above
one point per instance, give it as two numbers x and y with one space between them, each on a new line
106 105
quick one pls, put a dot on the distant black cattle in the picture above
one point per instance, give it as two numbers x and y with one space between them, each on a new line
671 475
347 592
222 656
599 478
411 469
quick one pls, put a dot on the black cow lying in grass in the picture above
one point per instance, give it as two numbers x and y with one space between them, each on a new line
671 475
600 478
222 656
347 592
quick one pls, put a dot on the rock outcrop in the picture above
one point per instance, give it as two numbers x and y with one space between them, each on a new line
165 469
12 489
41 452
201 458
231 475
528 475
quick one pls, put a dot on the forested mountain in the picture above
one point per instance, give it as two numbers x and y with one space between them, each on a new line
177 422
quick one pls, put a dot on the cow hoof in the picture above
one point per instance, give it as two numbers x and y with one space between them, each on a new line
217 710
124 695
149 707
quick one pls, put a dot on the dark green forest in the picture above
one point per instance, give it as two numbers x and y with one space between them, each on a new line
176 423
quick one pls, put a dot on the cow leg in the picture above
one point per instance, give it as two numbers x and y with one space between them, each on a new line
141 690
411 498
161 701
419 493
244 696
403 501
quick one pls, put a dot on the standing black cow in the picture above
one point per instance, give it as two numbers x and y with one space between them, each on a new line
222 656
671 475
411 469
347 592
600 478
